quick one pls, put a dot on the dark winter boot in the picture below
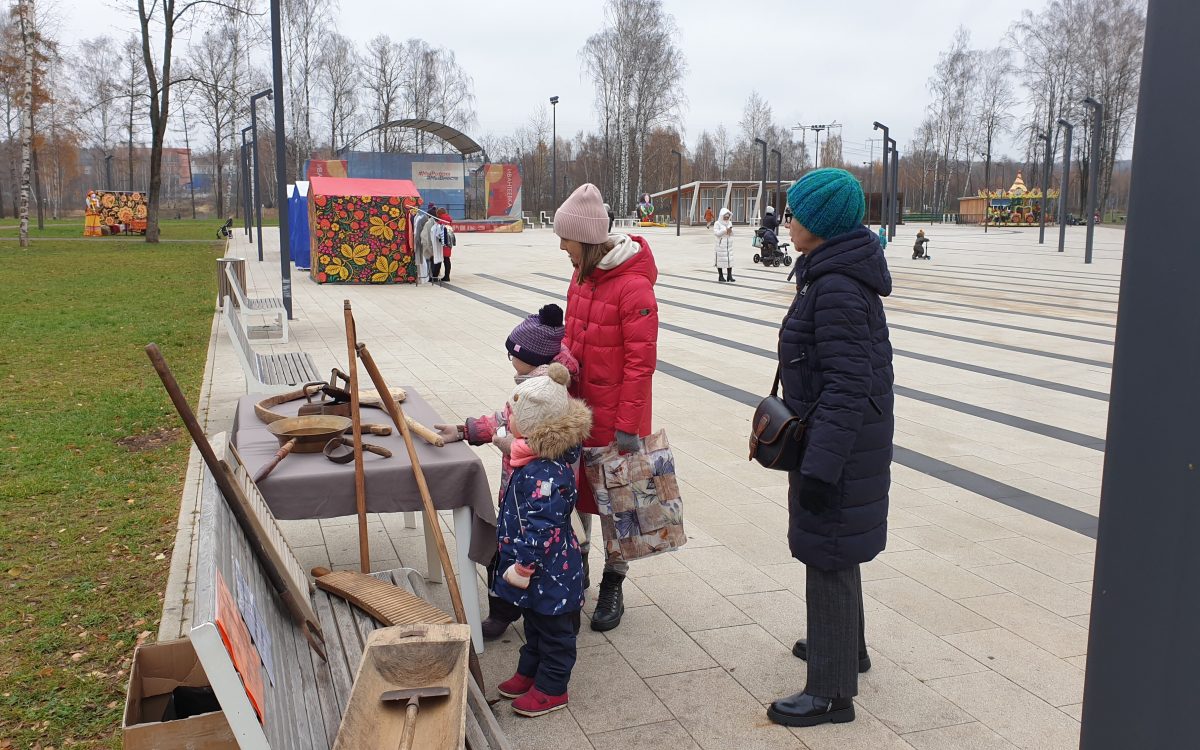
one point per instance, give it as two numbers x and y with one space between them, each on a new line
731 279
610 604
721 275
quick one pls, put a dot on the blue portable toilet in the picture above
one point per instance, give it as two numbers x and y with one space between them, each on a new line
298 236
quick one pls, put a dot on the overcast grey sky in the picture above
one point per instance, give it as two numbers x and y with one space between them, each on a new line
816 62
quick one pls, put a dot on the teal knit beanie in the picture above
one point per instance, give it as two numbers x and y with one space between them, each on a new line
827 202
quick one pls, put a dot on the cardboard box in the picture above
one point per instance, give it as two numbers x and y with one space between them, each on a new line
158 668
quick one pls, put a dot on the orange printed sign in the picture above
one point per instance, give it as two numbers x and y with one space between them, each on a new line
237 642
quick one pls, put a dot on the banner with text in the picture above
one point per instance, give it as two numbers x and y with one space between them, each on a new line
432 175
502 186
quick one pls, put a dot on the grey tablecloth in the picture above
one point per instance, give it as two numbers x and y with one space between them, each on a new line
308 485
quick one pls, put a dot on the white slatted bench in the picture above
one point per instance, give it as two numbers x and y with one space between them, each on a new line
266 373
304 705
268 307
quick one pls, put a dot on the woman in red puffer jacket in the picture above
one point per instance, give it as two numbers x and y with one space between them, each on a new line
612 330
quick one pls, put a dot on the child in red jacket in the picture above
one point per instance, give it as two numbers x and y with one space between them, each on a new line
532 346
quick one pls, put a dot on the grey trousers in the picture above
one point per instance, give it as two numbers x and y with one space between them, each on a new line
836 636
585 545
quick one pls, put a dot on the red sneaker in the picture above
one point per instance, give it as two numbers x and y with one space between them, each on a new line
537 703
515 686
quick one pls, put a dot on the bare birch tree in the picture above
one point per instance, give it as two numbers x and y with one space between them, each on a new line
337 79
384 63
304 23
25 13
636 70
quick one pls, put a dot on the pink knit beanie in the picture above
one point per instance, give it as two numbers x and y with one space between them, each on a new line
582 217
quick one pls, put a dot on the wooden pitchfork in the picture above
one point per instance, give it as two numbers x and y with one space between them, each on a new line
360 478
433 524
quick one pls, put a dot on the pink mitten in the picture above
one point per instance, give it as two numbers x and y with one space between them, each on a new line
518 575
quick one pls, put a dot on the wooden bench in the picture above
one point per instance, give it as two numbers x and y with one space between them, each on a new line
305 701
269 307
266 373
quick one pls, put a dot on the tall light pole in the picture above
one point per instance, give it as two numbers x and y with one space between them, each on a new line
1147 570
1064 185
249 220
678 189
868 168
883 185
285 256
1093 173
778 175
1045 139
254 166
762 186
554 154
894 193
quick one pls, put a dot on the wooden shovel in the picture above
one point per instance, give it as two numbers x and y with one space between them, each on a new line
360 479
397 414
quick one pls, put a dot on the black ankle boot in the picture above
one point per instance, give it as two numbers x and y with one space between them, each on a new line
720 275
610 604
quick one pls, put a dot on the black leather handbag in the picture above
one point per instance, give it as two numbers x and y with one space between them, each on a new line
777 432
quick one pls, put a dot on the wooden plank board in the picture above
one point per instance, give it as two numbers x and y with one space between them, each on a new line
339 667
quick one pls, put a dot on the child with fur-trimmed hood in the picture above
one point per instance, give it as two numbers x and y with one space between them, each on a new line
539 557
533 345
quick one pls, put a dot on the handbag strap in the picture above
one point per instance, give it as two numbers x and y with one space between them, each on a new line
775 385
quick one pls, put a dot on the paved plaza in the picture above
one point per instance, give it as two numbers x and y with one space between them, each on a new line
977 612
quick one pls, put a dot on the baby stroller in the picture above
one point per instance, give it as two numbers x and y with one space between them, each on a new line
772 252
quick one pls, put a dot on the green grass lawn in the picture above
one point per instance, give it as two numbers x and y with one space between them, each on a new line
86 523
170 229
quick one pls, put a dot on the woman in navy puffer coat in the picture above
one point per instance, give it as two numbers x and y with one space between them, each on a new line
836 363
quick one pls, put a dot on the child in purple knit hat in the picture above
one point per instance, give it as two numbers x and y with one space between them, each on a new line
532 346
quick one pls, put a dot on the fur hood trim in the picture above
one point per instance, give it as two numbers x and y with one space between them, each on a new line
553 439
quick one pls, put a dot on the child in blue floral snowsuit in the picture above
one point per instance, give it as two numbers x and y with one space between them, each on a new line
539 558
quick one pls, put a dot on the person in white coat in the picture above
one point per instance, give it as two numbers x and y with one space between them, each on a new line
722 229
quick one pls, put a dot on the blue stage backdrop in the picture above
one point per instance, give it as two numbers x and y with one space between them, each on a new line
438 177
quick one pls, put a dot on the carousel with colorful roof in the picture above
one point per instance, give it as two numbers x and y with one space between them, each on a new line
1018 206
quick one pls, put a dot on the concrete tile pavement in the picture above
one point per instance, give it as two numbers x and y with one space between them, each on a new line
977 611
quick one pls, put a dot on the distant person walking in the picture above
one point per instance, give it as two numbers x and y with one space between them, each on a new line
722 229
835 362
708 217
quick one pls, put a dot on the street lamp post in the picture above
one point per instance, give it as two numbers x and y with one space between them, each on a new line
1045 138
868 168
762 187
285 256
254 167
678 189
246 197
778 174
1064 185
554 153
883 185
893 192
1093 174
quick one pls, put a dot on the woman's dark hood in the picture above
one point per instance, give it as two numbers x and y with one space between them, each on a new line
856 254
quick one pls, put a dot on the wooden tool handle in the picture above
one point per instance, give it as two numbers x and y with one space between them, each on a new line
431 515
424 432
280 454
360 478
229 492
410 726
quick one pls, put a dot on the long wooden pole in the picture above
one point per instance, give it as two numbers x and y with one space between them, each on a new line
305 618
431 515
360 478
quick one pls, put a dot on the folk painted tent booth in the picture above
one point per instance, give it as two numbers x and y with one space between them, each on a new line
359 230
